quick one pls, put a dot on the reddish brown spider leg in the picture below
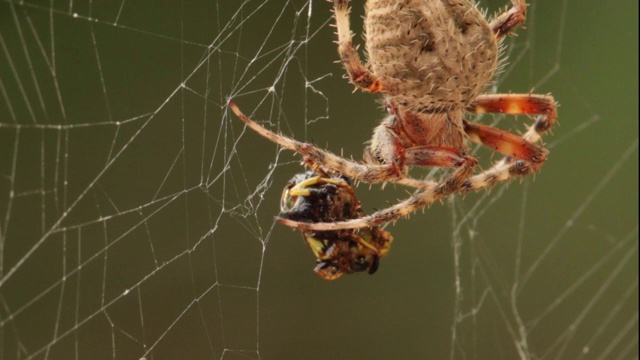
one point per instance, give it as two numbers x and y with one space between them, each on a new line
358 74
506 143
520 104
443 157
440 156
506 22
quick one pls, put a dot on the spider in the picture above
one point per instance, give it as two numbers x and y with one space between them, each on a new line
316 197
431 60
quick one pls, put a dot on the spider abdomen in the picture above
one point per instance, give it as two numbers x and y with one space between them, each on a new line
430 56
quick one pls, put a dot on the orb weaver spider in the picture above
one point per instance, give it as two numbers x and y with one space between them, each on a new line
431 60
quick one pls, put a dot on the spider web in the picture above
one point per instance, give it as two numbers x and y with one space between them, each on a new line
136 212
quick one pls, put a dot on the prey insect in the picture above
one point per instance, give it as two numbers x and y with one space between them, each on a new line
314 197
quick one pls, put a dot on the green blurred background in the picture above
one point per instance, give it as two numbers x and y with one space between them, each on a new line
136 213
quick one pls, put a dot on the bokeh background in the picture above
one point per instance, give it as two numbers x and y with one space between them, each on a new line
136 212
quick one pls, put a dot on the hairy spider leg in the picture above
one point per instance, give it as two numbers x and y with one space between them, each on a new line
359 75
352 169
510 19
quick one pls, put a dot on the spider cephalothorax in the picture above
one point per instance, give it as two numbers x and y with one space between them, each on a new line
431 60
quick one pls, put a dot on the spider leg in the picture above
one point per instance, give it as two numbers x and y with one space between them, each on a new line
519 104
505 142
358 74
370 173
440 156
513 17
